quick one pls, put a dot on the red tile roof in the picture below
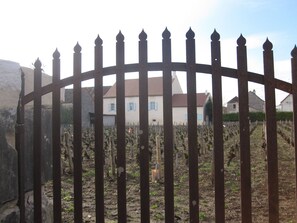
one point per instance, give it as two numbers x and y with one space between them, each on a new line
155 88
180 100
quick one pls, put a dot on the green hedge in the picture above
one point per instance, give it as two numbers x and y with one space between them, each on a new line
284 116
258 116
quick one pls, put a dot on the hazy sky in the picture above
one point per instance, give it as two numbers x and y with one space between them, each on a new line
32 29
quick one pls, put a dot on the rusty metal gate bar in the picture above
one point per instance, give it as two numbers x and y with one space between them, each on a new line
192 127
19 143
77 136
143 67
121 129
56 139
144 130
218 128
168 127
99 134
244 128
294 93
37 142
272 160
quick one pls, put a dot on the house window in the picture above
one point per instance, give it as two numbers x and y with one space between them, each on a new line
153 105
234 106
131 106
112 107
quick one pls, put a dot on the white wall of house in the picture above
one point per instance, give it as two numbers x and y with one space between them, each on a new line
287 104
233 107
155 108
132 110
108 107
180 115
155 113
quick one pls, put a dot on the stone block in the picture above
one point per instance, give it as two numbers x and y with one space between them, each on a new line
8 170
9 212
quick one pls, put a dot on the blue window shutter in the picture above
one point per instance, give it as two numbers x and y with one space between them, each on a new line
112 107
150 105
131 106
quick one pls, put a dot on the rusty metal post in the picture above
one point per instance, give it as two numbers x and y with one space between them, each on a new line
56 140
272 157
192 127
244 128
168 127
37 143
77 135
294 94
19 142
144 129
121 129
218 127
99 135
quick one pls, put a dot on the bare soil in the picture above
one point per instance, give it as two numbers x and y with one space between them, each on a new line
206 188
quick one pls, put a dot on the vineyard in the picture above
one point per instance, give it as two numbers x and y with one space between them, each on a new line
206 172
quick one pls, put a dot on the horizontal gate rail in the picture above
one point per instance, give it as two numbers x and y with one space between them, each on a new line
191 68
127 68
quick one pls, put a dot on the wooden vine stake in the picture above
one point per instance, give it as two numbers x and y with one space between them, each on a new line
112 156
156 171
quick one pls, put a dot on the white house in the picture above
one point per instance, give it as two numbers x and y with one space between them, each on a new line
179 108
155 99
287 104
256 104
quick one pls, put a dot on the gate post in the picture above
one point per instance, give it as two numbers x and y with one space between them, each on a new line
19 143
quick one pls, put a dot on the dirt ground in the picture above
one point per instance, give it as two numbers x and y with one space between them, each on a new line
206 188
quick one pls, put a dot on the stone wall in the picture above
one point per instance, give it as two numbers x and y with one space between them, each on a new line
9 211
10 87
